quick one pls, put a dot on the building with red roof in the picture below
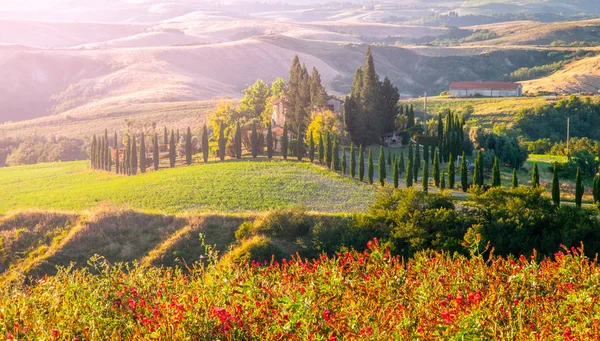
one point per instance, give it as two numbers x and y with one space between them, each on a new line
485 89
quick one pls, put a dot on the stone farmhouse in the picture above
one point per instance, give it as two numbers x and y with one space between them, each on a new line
486 89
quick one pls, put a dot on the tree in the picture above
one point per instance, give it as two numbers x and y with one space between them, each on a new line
143 154
318 95
401 163
205 146
382 167
344 162
370 167
389 158
595 188
93 152
222 142
436 168
311 148
336 155
297 94
328 155
451 175
425 176
172 151
127 158
117 161
269 141
555 187
443 181
579 189
155 152
189 150
478 172
284 142
300 146
321 150
165 137
134 156
352 161
535 176
496 182
256 98
395 173
515 180
254 141
417 162
464 182
107 158
238 141
409 176
361 163
410 117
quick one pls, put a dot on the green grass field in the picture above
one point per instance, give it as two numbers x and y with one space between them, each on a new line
233 186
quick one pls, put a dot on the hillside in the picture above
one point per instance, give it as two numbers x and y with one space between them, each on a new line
578 76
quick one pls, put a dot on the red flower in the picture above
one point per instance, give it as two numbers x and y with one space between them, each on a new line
327 315
55 333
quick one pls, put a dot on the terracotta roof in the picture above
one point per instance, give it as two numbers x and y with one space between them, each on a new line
484 85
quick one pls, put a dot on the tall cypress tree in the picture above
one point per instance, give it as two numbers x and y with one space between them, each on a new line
238 141
579 189
443 181
254 141
189 149
401 166
172 151
417 162
478 173
496 182
143 154
328 153
555 187
515 180
395 173
155 152
106 151
101 154
133 156
300 144
425 153
284 142
269 141
382 167
409 176
535 176
177 137
436 168
352 161
93 152
311 147
451 175
595 189
116 147
336 155
361 163
410 117
117 161
344 162
127 159
205 146
410 153
425 176
321 150
222 142
166 137
464 181
370 167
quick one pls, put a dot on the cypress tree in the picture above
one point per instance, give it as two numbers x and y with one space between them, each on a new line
166 137
300 145
336 155
451 170
143 154
352 161
134 156
443 181
478 173
205 146
464 182
409 176
116 147
595 189
222 142
344 162
189 150
361 163
410 117
555 187
382 166
535 176
106 151
426 154
389 158
395 173
417 162
172 152
436 169
238 141
496 182
370 167
101 153
311 148
93 152
410 153
284 142
254 141
401 163
515 180
269 141
328 153
126 160
425 176
321 149
155 152
579 189
177 137
433 148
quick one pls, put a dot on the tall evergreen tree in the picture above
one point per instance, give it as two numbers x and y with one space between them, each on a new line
143 154
417 162
127 159
133 156
93 151
300 145
321 150
389 158
370 167
311 148
401 166
177 137
410 117
106 151
515 180
496 182
409 176
117 161
189 149
155 152
269 141
436 169
254 141
116 147
238 141
443 181
166 137
382 166
579 189
464 172
535 176
284 142
425 154
425 176
336 155
395 173
555 187
451 175
172 150
361 163
318 95
478 173
410 152
205 146
595 189
344 162
352 161
329 155
222 143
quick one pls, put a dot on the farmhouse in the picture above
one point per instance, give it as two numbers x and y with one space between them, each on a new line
486 89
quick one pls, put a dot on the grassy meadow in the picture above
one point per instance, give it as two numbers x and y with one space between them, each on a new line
233 186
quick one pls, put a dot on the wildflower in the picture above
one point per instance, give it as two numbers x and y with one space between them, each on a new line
55 333
327 315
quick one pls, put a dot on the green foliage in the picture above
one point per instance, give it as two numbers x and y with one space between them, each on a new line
443 181
172 150
205 147
535 176
300 146
255 100
464 173
579 189
269 141
238 141
417 162
321 150
311 148
336 155
401 166
361 163
370 169
515 180
425 179
409 176
344 162
143 154
133 157
285 142
555 188
451 172
478 170
329 152
382 167
352 160
496 181
395 173
155 152
254 141
436 168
